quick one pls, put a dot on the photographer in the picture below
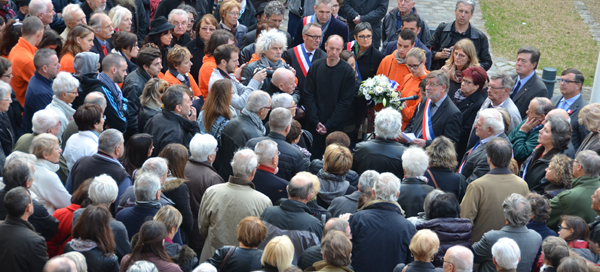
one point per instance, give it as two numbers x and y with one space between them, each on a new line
269 47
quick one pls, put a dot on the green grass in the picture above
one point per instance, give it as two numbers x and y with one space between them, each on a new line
552 26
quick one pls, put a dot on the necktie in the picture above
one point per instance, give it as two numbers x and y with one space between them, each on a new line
309 55
516 89
104 49
563 104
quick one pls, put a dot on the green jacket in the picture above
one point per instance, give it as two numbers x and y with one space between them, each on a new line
524 143
575 201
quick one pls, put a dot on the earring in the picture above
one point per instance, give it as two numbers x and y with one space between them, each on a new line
78 43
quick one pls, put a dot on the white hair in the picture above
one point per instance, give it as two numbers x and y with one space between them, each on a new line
257 100
142 266
43 120
280 119
269 38
103 190
146 186
38 6
266 150
64 83
116 15
415 161
492 118
156 166
201 146
5 89
387 187
506 252
69 11
109 140
388 124
205 267
281 100
178 12
244 163
367 180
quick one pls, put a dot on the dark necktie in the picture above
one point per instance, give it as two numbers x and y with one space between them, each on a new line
515 90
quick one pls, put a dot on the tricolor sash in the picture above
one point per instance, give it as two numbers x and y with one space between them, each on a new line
349 45
427 126
303 58
465 159
308 19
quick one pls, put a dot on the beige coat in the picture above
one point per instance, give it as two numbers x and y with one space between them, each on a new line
223 206
483 200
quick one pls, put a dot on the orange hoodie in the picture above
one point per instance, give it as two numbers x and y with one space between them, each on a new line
66 63
410 88
391 69
21 57
208 66
173 80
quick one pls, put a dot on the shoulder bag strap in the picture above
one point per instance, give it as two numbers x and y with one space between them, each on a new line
433 179
229 253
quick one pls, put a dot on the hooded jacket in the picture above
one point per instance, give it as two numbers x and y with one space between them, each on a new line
95 259
115 116
169 127
332 186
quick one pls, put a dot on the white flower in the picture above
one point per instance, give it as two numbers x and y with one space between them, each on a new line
379 90
394 94
367 97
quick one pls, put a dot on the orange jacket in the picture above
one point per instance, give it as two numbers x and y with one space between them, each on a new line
21 57
410 88
173 80
208 66
66 63
391 69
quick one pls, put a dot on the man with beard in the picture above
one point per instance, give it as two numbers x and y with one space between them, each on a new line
90 6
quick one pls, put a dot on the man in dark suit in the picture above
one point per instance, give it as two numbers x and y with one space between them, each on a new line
527 83
329 24
571 81
265 179
90 6
488 125
274 11
445 116
103 31
301 57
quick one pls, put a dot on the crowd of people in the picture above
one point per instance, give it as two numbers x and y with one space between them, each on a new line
199 136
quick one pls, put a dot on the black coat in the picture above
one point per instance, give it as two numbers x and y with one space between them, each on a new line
595 230
579 131
344 204
114 117
43 222
235 135
196 47
448 181
451 232
240 259
293 215
133 87
248 50
96 260
446 121
533 170
139 22
22 249
7 136
368 62
289 57
370 11
290 157
379 155
441 39
469 108
412 195
336 27
271 185
145 114
534 87
178 191
97 48
169 127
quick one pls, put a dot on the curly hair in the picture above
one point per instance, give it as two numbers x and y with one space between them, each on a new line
563 171
269 38
442 153
539 207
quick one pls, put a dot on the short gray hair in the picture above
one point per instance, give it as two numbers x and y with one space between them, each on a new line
466 2
309 25
64 83
281 100
38 6
590 162
146 186
544 105
388 124
109 140
363 26
367 180
280 119
178 11
257 100
95 21
244 163
506 252
387 187
42 57
142 266
440 77
517 210
156 166
202 146
492 118
266 150
561 132
274 8
96 98
17 169
116 15
43 120
5 89
429 198
415 161
206 267
554 249
69 11
267 39
103 190
507 81
299 190
461 257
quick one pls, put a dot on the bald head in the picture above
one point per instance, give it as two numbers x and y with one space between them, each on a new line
60 264
284 79
95 98
300 187
337 224
559 113
461 257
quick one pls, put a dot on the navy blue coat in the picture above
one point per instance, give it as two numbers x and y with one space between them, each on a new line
134 217
37 96
271 185
336 27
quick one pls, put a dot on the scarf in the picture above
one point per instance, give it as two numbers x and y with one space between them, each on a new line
255 120
83 245
182 78
459 97
149 204
66 108
7 11
113 88
265 62
398 58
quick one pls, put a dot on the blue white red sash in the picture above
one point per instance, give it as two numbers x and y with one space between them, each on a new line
465 158
427 126
303 59
349 45
308 19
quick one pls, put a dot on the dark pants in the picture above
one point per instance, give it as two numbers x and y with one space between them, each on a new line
293 22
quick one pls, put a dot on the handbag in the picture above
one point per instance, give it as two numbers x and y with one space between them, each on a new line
229 253
433 179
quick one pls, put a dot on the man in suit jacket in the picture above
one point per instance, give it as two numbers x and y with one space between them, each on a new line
89 7
445 116
571 100
265 179
103 31
329 24
517 212
488 125
527 83
483 200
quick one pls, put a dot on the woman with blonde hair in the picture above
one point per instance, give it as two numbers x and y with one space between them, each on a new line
423 247
337 161
415 61
278 254
150 100
179 69
229 13
463 56
441 173
121 18
47 185
80 39
217 110
589 116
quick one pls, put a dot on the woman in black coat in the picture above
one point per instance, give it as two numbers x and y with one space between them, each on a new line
468 99
205 28
368 57
442 164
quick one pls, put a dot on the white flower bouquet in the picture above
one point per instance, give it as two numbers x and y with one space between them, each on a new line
380 90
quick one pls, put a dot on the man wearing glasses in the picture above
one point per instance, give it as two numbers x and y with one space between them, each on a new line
458 258
394 66
179 18
328 23
571 100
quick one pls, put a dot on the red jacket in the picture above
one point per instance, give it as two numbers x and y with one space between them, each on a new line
65 226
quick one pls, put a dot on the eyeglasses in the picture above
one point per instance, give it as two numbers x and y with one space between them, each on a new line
73 92
268 108
208 29
104 117
495 88
432 85
444 261
566 81
560 227
365 37
314 37
410 66
236 14
176 24
293 107
467 81
6 99
7 75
